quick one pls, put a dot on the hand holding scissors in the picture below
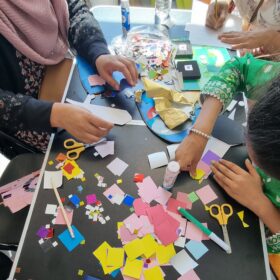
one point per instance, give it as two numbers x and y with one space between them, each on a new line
222 214
75 148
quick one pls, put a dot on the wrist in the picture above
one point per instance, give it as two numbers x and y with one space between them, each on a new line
261 205
56 114
200 133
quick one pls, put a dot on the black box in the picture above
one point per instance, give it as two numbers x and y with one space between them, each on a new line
184 48
189 69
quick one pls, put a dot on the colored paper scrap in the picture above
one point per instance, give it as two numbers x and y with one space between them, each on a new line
50 209
88 277
165 253
114 194
133 268
173 205
180 242
149 244
206 194
105 148
91 198
190 275
203 166
61 157
147 190
138 178
59 220
193 232
156 214
133 223
182 262
96 80
183 197
75 200
69 242
125 235
157 160
193 197
140 206
71 169
153 273
115 257
117 166
241 217
162 196
52 177
146 228
134 249
209 156
199 175
128 200
42 232
196 248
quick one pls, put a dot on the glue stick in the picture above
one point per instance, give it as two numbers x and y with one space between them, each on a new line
171 173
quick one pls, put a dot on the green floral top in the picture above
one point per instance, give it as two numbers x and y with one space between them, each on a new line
248 74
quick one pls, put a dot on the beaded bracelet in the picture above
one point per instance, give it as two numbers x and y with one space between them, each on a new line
198 132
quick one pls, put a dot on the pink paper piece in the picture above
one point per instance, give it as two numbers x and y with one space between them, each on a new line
114 190
162 195
190 275
193 232
181 220
125 235
206 194
146 228
204 236
173 205
59 220
183 197
140 206
147 190
203 166
105 148
95 80
156 214
91 198
133 223
117 166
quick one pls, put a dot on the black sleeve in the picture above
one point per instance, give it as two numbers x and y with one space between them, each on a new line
85 35
21 112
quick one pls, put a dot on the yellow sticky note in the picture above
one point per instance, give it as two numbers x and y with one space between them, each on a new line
154 273
115 257
199 175
133 268
119 225
119 181
149 245
75 170
165 253
134 249
51 162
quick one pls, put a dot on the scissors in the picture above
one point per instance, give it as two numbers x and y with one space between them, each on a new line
76 148
222 213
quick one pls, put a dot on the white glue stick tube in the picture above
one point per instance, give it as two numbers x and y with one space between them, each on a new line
171 173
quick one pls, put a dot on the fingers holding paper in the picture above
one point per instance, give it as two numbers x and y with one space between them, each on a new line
216 14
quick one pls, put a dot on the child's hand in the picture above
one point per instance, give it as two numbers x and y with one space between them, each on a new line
245 187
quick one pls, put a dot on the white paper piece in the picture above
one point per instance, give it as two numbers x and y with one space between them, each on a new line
56 177
231 105
117 166
50 209
180 242
232 115
202 35
171 151
106 148
157 160
182 262
217 146
113 115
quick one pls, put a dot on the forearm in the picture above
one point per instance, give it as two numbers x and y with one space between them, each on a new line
269 214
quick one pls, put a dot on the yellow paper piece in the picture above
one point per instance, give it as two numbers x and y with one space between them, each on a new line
199 174
83 179
74 172
119 181
134 249
115 257
206 208
133 268
241 215
82 203
119 225
51 162
245 225
154 273
80 272
149 245
83 242
165 253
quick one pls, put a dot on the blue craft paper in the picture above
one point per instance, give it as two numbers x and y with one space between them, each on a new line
115 273
128 200
75 200
69 242
87 277
196 248
85 70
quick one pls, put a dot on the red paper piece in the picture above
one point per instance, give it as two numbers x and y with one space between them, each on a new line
138 178
156 214
140 206
173 204
69 167
61 157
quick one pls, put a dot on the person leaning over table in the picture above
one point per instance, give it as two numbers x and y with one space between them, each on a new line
37 33
261 23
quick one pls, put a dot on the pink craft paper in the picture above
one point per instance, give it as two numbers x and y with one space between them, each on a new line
181 220
156 214
183 197
203 166
147 190
114 190
125 235
146 228
204 236
91 198
193 232
133 223
173 204
206 194
162 195
140 206
60 219
190 275
167 231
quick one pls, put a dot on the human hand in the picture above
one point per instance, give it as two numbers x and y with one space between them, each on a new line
245 187
106 64
79 122
253 40
189 152
213 20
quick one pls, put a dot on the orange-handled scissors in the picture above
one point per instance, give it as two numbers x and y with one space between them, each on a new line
222 213
75 148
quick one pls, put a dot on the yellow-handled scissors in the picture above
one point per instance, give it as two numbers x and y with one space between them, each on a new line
75 148
222 213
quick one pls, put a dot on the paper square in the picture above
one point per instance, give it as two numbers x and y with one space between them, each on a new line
157 160
196 248
91 198
117 166
55 176
182 262
209 156
128 200
69 242
190 275
193 232
133 268
59 220
115 257
50 209
154 273
193 197
180 242
162 196
206 194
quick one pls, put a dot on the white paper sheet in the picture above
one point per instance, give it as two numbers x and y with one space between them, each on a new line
50 209
106 148
171 151
117 166
202 35
217 146
157 160
113 115
56 177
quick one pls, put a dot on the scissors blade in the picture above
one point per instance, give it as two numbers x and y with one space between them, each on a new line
95 143
226 238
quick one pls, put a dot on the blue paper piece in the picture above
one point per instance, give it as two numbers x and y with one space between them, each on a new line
75 200
128 200
87 277
85 70
196 248
115 272
80 188
69 242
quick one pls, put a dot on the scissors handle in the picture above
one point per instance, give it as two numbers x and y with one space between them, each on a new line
227 211
72 144
216 212
75 153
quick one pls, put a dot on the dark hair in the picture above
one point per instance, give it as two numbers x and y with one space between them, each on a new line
264 130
